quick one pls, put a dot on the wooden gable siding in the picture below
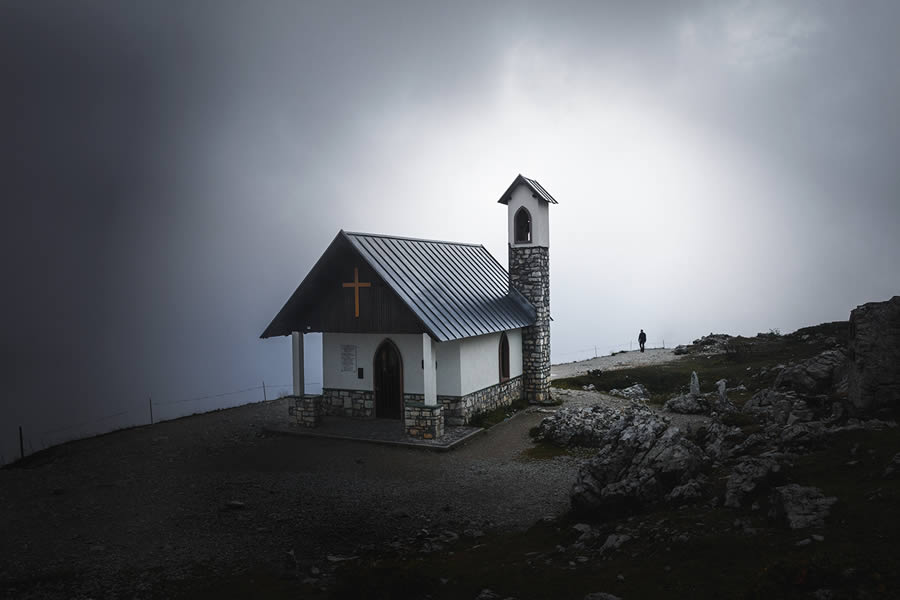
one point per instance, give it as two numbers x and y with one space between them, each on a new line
322 303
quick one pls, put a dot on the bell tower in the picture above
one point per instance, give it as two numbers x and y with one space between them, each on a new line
528 221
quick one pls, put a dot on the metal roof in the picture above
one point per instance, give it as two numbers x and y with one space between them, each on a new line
456 290
536 188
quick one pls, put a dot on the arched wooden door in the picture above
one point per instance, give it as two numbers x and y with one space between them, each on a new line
388 373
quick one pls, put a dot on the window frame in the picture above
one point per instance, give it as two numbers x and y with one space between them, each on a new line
530 238
503 358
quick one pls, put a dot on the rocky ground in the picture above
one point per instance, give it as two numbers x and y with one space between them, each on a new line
733 471
173 508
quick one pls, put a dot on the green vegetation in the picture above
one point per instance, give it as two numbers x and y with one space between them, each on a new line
743 357
498 415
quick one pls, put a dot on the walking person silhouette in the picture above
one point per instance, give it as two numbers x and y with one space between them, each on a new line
642 339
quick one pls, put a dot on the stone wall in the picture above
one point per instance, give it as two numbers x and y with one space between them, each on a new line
348 403
423 421
459 410
306 409
873 381
529 273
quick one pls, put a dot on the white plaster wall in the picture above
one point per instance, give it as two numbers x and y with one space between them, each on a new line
540 216
448 376
410 346
479 360
515 352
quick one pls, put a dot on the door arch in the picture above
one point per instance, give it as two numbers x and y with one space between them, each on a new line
388 381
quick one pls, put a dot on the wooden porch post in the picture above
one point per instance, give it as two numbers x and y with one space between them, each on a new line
297 342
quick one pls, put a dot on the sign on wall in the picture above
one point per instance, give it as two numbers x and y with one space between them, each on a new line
348 357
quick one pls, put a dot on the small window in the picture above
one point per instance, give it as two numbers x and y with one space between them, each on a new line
522 225
504 358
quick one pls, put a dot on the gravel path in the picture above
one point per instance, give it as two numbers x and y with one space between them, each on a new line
125 513
120 513
622 360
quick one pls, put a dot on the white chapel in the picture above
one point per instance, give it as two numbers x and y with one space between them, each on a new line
427 332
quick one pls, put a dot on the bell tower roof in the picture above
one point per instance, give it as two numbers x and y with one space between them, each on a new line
537 190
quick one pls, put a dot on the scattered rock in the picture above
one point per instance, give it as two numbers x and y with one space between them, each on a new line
633 392
235 505
613 543
601 596
803 433
691 491
748 476
336 558
800 506
687 404
892 471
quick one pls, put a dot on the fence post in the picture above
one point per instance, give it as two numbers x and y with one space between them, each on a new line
21 444
265 397
150 402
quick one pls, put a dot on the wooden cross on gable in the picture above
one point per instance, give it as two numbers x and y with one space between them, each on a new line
356 284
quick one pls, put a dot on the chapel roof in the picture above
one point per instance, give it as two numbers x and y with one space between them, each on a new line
537 190
455 290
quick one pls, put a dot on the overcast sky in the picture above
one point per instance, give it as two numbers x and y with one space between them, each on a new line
173 169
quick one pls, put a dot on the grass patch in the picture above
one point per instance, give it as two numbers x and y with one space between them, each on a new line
762 352
544 451
498 415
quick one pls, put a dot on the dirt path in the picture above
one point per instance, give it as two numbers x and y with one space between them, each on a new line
128 513
122 513
622 360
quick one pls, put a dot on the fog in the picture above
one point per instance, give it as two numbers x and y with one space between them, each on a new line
173 170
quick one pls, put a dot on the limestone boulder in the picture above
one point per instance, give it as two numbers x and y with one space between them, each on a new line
800 506
632 392
687 404
873 380
823 373
749 476
640 460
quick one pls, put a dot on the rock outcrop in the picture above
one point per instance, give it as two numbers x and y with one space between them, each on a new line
874 376
641 459
632 392
822 374
749 476
695 403
800 506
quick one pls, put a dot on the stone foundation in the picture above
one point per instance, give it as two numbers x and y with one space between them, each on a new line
873 382
460 410
306 409
529 273
348 403
455 410
422 421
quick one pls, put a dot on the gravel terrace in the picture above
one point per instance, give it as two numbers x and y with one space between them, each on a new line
621 360
120 513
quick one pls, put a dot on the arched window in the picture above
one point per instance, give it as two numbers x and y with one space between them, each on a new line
522 225
504 358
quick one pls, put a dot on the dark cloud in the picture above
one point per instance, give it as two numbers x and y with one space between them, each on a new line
172 170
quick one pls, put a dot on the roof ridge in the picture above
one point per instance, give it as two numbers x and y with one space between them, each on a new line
412 239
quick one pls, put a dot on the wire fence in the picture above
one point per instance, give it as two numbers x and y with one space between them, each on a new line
142 414
147 412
